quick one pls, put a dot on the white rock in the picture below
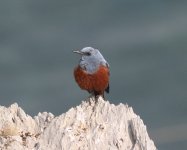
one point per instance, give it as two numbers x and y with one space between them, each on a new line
89 126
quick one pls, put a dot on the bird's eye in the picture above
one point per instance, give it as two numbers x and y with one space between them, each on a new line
88 53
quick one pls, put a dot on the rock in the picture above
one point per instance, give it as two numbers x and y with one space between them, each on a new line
89 126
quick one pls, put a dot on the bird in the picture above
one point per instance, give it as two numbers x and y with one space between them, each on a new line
92 73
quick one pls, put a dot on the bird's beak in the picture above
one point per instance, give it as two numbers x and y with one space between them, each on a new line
78 52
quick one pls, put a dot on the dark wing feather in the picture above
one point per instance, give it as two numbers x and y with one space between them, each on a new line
107 89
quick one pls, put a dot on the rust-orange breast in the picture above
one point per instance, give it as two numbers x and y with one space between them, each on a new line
97 81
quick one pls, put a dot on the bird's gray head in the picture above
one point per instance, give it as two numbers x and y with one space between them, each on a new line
91 59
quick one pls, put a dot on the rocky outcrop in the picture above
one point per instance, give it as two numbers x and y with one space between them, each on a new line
89 126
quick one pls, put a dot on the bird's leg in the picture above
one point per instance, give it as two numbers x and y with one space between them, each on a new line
103 95
97 94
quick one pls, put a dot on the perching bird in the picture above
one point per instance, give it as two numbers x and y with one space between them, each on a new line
92 73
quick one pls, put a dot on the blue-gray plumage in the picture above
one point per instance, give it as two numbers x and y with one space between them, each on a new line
91 59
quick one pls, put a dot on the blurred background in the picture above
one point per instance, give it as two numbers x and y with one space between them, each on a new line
144 42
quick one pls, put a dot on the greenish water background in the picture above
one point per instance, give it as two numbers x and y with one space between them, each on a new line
144 42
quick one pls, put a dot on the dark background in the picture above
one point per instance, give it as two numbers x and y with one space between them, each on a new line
144 42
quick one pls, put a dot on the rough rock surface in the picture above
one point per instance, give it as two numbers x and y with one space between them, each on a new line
89 126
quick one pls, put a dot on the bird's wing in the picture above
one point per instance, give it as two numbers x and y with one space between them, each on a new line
108 89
